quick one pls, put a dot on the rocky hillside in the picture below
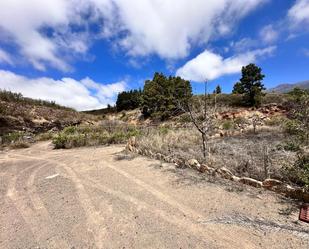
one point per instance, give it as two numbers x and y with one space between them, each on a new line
18 113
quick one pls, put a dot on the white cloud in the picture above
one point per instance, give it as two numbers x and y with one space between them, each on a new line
139 27
5 57
268 34
244 44
299 13
81 95
210 66
170 28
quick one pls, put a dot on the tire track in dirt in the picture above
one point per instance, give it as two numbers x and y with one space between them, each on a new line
185 221
94 219
40 208
158 194
189 220
36 219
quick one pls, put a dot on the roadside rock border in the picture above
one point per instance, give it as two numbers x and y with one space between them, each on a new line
268 184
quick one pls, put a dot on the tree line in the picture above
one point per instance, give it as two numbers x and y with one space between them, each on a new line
162 95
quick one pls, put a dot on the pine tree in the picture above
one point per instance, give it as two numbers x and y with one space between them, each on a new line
162 95
218 89
251 85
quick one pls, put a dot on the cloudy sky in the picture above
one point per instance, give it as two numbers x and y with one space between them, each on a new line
81 53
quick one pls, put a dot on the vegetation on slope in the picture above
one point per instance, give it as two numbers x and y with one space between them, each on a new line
21 118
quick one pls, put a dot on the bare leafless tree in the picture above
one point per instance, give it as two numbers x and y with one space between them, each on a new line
256 121
203 116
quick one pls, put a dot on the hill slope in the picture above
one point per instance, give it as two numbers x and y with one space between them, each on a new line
284 88
18 113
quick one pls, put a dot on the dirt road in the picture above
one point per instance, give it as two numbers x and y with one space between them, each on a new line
101 198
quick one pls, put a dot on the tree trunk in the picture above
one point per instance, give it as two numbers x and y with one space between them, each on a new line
204 145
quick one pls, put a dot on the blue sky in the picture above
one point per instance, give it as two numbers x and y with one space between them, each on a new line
82 53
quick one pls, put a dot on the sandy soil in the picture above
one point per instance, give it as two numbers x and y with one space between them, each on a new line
102 198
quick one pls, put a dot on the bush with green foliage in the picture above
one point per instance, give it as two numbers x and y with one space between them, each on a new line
298 124
163 95
80 136
250 85
12 137
297 127
299 172
14 140
275 121
228 125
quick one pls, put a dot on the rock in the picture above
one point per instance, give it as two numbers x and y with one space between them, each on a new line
203 168
129 147
225 173
193 163
206 169
150 154
251 182
131 144
235 178
178 163
158 156
270 183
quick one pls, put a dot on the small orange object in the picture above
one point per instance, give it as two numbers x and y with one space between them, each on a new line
304 213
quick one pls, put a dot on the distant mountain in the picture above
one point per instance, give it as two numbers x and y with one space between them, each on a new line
284 88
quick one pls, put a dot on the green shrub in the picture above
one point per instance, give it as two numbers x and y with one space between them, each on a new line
291 146
185 118
79 136
278 98
275 121
228 125
70 130
240 121
59 141
12 137
163 130
299 172
291 127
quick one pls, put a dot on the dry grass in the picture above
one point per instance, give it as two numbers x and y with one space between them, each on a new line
19 145
245 154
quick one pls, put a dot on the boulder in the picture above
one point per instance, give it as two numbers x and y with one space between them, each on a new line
178 163
130 147
270 183
235 178
193 163
225 173
251 182
131 144
159 156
